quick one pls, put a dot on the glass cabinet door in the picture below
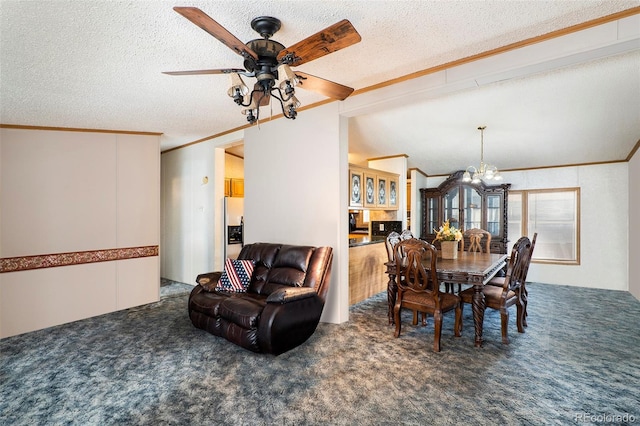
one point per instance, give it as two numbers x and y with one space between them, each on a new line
494 210
432 214
451 201
472 208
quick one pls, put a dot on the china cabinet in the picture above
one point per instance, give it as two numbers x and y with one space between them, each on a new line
466 206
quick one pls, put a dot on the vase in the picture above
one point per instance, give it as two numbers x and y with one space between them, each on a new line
449 249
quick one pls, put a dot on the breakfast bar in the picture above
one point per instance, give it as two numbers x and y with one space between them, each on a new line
367 259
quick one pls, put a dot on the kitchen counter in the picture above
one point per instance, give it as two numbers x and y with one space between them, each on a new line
356 240
366 268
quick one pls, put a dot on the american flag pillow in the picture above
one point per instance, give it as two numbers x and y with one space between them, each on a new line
236 276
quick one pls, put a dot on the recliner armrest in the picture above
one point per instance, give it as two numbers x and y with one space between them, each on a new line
209 281
286 295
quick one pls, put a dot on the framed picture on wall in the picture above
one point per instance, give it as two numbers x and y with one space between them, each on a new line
382 188
355 183
393 192
369 190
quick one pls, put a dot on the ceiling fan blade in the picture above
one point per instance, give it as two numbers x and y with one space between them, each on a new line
198 72
322 86
333 38
205 22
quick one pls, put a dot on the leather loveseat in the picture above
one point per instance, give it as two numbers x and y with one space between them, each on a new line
282 305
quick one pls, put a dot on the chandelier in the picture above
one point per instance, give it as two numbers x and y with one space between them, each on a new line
485 171
278 84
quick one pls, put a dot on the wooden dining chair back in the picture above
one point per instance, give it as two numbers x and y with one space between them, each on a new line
475 236
511 292
394 238
525 293
499 281
419 289
406 235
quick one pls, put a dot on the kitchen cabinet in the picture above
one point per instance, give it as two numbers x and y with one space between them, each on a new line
466 206
382 188
393 193
233 187
237 187
370 190
355 188
373 189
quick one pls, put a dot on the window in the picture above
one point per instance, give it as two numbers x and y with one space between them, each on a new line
555 215
515 222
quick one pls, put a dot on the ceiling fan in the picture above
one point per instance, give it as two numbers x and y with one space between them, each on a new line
270 62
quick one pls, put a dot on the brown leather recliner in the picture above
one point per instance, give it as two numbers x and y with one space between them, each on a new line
282 305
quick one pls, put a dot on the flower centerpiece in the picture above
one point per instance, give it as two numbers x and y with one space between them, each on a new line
448 233
448 236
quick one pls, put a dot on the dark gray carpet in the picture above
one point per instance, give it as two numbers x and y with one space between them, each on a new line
149 365
170 288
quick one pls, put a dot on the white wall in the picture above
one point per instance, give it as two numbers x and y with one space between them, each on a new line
233 167
70 193
418 180
604 221
296 190
634 226
192 211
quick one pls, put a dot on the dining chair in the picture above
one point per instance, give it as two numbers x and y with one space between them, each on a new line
419 289
392 239
499 281
475 236
512 290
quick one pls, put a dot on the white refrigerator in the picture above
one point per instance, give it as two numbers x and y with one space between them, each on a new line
233 226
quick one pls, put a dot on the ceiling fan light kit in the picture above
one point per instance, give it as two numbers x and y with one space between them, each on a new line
484 171
238 89
269 62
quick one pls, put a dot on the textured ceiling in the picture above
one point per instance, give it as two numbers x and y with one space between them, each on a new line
586 113
97 64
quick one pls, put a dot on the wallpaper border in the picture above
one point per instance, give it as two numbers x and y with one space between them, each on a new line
25 263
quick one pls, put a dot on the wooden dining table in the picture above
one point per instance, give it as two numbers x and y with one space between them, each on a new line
469 268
